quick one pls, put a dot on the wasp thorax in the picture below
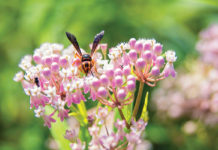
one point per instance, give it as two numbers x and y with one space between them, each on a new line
86 57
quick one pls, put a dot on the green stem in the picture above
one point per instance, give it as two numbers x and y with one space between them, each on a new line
123 117
138 99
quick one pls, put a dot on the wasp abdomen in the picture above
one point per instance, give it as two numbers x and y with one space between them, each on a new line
87 66
86 63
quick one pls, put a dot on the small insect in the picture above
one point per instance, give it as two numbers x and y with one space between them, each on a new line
36 80
63 95
86 59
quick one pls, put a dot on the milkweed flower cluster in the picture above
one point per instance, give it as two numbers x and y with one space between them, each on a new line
110 139
208 45
145 57
53 77
194 94
196 98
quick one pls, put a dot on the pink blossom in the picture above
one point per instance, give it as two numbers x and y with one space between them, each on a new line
70 135
48 120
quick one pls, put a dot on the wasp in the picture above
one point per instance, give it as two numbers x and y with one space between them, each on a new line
86 59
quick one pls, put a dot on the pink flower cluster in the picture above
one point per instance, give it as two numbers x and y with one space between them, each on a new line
208 45
52 76
109 139
193 94
145 58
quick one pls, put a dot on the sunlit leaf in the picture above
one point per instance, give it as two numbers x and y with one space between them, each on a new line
144 114
58 130
82 109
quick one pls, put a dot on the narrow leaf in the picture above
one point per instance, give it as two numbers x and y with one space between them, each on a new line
82 109
144 114
58 130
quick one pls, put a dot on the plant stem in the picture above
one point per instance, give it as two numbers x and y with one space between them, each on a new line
123 117
120 111
106 128
138 99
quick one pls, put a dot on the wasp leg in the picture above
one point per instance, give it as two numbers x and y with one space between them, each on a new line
92 73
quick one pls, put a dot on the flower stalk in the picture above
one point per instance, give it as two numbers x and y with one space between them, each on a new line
138 99
123 118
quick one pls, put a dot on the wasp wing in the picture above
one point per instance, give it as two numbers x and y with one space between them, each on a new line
96 41
73 40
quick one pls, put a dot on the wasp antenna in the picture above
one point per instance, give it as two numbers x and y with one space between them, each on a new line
73 40
96 41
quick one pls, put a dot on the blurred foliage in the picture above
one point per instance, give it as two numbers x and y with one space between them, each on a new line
25 24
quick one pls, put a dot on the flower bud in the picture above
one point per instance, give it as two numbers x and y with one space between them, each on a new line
37 59
139 46
96 83
118 71
102 92
160 61
121 94
118 81
104 80
63 61
47 61
126 70
46 72
54 67
155 71
132 42
140 63
158 49
147 56
131 77
133 55
104 47
147 46
131 86
76 99
55 58
110 73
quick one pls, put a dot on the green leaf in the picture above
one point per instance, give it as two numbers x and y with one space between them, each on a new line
82 110
84 135
58 130
127 111
144 114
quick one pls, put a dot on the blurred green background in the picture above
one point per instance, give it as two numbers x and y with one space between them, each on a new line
25 24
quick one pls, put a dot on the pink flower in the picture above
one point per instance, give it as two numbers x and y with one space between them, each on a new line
77 146
93 130
38 100
48 120
207 45
62 112
169 70
70 135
